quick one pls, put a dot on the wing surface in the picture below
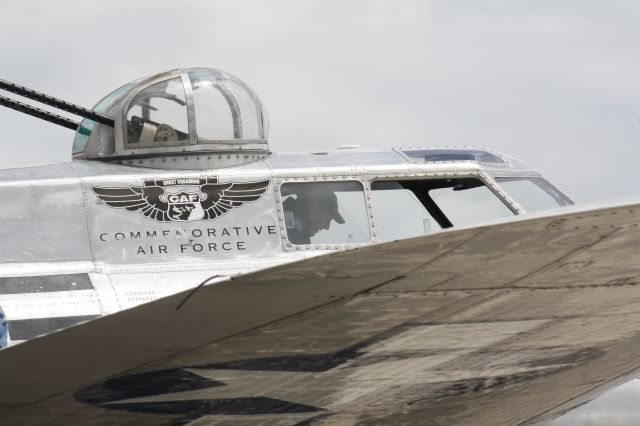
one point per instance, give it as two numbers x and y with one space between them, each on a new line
504 324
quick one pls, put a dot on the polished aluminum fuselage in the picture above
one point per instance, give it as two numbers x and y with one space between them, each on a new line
107 259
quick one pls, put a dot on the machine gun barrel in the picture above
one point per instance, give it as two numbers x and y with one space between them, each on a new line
39 113
54 102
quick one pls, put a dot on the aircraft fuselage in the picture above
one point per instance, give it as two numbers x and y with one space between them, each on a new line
88 238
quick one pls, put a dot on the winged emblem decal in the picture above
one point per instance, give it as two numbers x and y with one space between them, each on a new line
209 201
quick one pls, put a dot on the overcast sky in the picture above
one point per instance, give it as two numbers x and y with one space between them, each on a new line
552 82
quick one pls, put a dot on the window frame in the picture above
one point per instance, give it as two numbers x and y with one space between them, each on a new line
481 176
532 176
151 147
289 246
366 180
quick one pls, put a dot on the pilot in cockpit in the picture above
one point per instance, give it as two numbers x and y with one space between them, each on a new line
310 212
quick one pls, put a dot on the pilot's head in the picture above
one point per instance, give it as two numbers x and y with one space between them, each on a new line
322 207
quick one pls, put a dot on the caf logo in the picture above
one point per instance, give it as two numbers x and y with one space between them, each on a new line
208 201
185 206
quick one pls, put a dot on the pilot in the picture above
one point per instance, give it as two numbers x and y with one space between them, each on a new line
310 212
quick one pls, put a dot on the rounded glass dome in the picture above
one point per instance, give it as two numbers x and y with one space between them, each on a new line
180 111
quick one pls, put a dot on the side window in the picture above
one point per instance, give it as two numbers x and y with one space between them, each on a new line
325 213
399 213
158 116
410 208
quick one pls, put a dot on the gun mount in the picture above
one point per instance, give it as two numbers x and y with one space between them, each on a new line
193 118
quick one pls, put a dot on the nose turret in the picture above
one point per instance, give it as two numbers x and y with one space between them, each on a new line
182 119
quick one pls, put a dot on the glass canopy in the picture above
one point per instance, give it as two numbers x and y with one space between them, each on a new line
180 111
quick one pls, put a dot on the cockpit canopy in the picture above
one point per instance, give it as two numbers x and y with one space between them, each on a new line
185 118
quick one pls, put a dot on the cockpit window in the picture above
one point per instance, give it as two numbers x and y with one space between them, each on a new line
466 204
409 208
533 193
325 213
399 213
157 116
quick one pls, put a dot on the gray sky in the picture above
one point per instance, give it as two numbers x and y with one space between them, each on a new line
552 82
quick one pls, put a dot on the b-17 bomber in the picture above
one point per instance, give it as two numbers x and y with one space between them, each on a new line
178 271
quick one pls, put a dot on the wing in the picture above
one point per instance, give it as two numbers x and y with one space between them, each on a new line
145 199
504 324
223 197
